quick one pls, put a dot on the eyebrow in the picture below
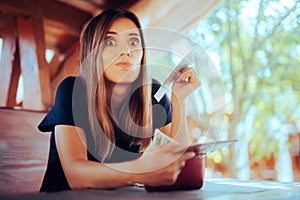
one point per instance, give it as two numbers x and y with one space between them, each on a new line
115 33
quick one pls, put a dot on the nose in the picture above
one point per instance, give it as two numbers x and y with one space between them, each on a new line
125 51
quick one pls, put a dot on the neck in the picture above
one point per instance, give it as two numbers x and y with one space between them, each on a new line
118 93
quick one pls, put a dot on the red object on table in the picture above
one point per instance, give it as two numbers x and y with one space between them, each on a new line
190 177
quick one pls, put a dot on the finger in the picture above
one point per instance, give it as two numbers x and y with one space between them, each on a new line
182 164
168 148
189 73
182 72
176 148
190 69
186 69
179 165
189 77
185 77
177 78
175 151
187 155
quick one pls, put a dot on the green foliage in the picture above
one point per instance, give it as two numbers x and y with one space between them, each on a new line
258 45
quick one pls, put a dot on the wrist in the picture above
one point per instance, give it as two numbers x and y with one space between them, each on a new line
178 105
128 172
135 176
177 101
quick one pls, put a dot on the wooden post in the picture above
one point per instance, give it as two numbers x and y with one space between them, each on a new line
44 72
14 82
9 36
32 57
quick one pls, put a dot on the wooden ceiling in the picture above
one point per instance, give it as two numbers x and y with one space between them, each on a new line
63 19
94 6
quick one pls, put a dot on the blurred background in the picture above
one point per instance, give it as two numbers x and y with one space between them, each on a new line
253 46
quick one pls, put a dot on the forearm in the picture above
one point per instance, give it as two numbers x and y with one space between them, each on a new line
184 85
82 173
179 128
89 174
85 174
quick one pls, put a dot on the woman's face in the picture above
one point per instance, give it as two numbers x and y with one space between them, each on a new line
122 52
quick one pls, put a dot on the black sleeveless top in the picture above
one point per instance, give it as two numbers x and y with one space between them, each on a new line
70 109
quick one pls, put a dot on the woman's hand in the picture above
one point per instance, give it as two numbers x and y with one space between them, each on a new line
185 83
161 166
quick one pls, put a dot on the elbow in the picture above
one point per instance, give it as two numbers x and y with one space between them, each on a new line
75 182
76 179
76 185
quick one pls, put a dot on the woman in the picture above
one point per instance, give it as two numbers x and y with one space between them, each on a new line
103 120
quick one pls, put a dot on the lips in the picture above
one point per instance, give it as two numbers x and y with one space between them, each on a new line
123 64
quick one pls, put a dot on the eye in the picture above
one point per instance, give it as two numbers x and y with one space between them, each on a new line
110 42
134 42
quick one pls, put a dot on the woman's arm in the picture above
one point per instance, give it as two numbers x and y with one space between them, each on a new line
79 171
179 127
82 173
185 83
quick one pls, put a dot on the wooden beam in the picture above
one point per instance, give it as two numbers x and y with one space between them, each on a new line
9 36
14 82
31 59
71 18
57 37
83 5
43 66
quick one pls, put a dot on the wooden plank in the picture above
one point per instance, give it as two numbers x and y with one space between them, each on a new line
9 35
44 72
14 82
29 65
71 18
58 37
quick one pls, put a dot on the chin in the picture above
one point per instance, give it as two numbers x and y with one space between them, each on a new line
127 79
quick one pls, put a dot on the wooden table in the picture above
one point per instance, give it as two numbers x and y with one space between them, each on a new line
213 189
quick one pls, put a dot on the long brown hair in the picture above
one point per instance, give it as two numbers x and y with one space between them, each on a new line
101 119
